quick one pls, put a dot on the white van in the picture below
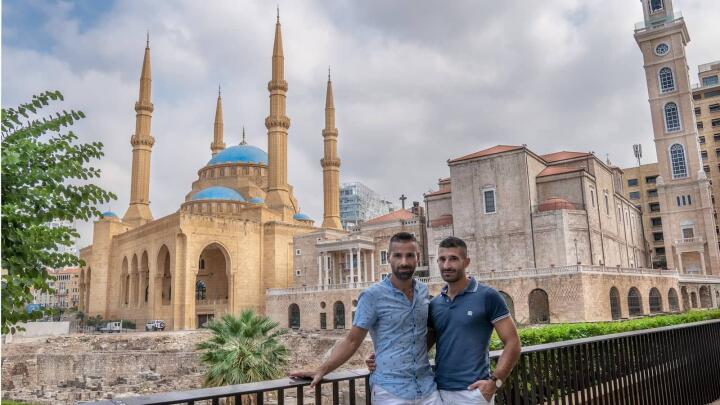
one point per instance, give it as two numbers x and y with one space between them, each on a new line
111 327
155 324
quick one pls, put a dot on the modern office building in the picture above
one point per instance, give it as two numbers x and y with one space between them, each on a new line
359 203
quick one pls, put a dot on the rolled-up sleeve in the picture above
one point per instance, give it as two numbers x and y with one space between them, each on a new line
495 305
366 312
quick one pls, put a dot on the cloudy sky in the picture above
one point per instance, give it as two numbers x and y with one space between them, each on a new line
416 82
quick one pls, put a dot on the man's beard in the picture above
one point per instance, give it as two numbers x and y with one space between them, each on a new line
403 273
452 276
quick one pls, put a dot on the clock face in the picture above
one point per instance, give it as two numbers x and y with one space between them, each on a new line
662 49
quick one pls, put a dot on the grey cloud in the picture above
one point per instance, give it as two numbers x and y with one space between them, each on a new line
415 83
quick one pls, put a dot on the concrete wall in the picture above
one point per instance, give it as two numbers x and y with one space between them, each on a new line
35 329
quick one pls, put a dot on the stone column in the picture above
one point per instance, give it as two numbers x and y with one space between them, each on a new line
327 268
319 269
702 261
372 266
360 264
352 266
680 265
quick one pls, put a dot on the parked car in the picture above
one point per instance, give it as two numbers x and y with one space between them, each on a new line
111 327
155 324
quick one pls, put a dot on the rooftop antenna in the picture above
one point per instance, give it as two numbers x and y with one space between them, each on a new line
637 151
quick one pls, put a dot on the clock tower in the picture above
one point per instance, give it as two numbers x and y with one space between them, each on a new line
686 211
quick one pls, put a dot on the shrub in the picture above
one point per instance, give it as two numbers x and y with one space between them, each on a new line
560 332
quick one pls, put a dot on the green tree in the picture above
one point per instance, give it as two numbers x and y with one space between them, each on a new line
242 349
44 178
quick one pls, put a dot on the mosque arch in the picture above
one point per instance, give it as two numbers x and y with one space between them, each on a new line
339 315
144 279
634 302
124 283
673 300
294 316
655 301
615 311
539 306
163 284
705 297
134 279
212 274
509 302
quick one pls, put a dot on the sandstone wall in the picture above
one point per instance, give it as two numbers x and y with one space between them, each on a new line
63 370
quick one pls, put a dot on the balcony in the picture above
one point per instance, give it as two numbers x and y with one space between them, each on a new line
689 241
658 22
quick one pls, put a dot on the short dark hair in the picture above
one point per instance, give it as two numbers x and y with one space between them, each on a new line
454 242
402 237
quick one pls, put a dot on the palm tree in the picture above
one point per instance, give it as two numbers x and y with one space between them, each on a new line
243 349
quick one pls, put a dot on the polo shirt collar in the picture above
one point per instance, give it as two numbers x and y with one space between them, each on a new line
471 287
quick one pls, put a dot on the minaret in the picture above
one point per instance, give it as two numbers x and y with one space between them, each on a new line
139 211
686 211
277 124
330 164
217 144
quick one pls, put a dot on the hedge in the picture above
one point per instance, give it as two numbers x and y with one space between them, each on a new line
536 335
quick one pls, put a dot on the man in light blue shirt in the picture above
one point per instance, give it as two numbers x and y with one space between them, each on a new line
395 311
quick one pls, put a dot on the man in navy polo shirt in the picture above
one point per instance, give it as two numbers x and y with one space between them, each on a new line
395 311
462 319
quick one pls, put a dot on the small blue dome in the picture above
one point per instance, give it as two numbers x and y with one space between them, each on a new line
240 154
256 200
108 214
302 217
218 193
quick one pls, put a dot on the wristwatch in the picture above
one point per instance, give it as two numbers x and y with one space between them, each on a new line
498 382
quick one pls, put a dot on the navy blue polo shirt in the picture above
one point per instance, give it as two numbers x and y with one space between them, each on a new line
462 328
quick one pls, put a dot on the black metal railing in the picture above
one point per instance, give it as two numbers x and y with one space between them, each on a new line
670 365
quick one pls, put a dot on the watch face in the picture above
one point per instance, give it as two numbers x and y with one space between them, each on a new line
662 49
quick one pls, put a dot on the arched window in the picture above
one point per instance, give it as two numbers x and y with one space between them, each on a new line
539 306
294 316
705 297
200 291
634 302
667 83
615 303
677 161
673 300
693 299
339 312
672 117
509 303
655 301
656 5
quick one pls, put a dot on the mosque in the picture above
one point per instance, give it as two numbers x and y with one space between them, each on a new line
232 237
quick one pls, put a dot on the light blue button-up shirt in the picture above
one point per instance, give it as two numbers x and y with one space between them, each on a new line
398 329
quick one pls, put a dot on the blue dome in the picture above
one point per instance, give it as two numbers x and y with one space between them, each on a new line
218 193
240 154
108 214
302 217
256 200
